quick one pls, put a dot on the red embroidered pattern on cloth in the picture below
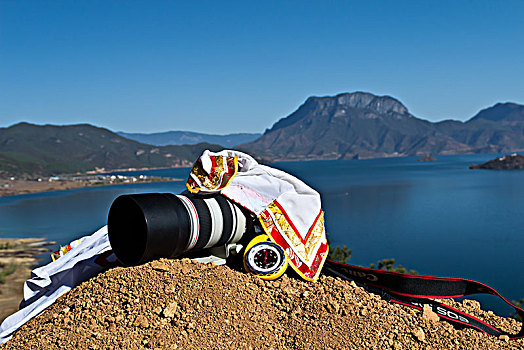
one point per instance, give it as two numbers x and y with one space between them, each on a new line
304 247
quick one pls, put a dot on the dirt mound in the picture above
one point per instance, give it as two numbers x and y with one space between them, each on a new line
170 304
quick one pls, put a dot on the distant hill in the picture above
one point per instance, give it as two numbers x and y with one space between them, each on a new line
363 125
189 138
31 150
507 113
347 126
496 129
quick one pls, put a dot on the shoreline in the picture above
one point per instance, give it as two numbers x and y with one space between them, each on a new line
13 187
18 256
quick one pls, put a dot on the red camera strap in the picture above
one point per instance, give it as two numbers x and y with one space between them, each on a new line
415 291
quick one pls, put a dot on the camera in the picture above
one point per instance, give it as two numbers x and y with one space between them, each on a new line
148 226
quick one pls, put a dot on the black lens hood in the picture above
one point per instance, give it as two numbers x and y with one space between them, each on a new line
142 227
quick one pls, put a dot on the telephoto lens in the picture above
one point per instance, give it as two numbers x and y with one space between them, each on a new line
144 227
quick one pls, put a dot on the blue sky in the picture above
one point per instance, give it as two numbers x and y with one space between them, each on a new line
228 66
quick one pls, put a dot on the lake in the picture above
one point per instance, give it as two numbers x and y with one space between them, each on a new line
439 218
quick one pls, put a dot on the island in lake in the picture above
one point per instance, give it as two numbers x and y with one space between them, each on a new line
427 158
507 162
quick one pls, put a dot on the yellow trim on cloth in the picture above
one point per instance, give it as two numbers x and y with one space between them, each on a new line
221 174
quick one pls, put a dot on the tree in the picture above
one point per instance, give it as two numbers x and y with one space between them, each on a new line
342 255
389 265
519 304
339 254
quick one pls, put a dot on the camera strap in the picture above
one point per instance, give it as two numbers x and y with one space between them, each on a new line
417 290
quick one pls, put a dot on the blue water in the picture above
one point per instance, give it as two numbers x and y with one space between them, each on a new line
439 218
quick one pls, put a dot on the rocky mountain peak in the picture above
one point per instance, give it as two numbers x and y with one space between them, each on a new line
361 100
344 104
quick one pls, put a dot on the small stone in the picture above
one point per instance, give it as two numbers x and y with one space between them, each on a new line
169 289
159 266
419 334
96 335
353 284
142 322
288 291
170 310
504 337
429 315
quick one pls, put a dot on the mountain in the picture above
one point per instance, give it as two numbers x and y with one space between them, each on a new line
351 125
363 125
189 138
506 113
346 126
496 129
39 150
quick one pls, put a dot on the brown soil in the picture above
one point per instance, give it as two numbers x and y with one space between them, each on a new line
178 304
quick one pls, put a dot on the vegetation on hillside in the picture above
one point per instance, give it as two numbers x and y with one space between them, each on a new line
44 150
6 270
